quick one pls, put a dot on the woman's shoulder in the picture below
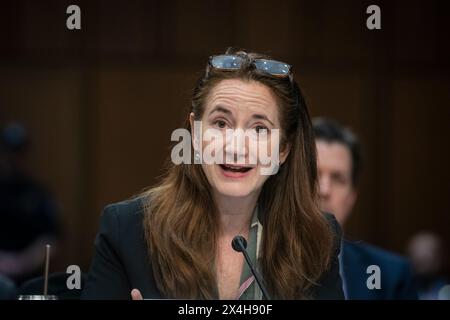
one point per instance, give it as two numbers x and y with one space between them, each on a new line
128 210
123 221
120 261
329 285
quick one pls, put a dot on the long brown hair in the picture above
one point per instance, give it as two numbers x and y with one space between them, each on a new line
181 221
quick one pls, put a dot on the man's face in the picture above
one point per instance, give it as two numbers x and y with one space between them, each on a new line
337 193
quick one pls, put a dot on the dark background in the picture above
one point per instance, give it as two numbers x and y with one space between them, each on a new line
100 103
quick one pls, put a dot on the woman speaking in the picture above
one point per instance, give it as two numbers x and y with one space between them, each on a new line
175 240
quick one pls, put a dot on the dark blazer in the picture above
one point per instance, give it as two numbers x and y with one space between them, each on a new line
121 262
395 274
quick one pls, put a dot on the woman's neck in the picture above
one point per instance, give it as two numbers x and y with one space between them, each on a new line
235 213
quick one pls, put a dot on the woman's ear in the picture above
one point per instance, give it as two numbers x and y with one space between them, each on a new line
192 119
284 153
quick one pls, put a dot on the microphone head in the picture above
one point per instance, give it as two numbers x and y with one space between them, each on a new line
239 243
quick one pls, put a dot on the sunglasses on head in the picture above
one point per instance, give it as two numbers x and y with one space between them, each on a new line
230 62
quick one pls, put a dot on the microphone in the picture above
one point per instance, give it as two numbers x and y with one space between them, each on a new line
239 244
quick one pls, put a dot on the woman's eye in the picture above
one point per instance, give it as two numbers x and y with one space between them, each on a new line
260 128
220 123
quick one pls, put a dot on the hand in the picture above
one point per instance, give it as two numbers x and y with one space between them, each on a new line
136 295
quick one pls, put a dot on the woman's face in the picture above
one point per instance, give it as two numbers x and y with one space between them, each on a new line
246 105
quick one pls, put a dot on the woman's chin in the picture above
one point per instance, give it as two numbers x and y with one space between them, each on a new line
236 192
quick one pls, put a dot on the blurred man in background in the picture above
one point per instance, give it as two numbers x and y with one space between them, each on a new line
339 167
427 254
27 212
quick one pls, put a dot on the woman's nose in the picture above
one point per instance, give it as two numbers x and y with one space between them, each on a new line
236 145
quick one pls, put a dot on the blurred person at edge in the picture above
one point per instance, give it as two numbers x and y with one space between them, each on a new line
27 211
339 167
427 254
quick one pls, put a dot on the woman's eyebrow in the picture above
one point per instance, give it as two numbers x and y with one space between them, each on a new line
220 108
223 109
261 117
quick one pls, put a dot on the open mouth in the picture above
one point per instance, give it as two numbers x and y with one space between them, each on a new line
232 168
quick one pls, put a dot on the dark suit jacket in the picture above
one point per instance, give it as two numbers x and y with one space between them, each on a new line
396 279
121 261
